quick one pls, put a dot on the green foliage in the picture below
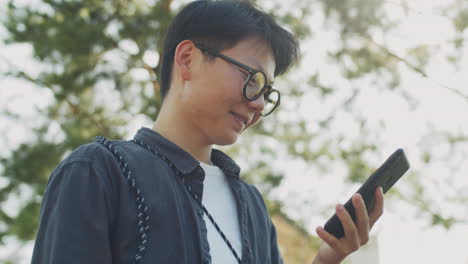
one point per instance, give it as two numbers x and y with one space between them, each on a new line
446 222
420 55
355 17
359 169
460 20
324 89
263 177
75 40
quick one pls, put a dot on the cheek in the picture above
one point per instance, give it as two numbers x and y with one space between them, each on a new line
228 88
221 83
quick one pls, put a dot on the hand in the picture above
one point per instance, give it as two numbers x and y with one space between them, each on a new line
334 250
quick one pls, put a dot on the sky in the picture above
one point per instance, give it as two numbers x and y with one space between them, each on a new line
402 235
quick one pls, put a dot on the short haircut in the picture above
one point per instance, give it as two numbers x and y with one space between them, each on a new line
221 25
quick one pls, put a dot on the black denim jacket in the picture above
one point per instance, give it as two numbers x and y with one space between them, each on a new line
89 213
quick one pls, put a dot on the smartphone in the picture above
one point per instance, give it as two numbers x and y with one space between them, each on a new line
386 176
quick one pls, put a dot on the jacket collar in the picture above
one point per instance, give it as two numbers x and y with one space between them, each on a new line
181 159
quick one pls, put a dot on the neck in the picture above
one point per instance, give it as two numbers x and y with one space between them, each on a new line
178 131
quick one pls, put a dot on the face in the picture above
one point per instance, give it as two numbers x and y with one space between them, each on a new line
212 99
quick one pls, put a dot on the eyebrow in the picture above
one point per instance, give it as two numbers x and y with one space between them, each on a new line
258 67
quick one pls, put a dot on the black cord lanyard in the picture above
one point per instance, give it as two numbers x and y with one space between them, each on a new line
143 217
178 173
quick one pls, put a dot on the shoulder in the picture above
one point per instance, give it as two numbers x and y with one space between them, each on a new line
87 153
92 160
98 154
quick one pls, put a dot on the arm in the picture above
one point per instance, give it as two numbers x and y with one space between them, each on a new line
75 217
334 250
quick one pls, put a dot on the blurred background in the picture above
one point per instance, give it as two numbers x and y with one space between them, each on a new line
374 76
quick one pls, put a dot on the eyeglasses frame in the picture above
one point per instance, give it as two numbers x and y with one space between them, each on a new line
251 72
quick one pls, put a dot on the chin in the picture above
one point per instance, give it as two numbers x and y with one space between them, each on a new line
226 140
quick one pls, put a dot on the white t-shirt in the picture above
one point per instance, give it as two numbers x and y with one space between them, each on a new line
219 201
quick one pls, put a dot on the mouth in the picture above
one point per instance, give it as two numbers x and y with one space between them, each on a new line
243 119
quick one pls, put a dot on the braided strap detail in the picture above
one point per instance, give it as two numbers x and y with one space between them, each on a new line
178 173
221 233
141 207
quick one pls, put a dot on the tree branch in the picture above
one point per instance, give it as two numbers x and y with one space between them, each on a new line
412 67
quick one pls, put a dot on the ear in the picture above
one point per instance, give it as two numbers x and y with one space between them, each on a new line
183 59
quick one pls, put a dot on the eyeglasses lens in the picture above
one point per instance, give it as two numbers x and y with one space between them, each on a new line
255 85
271 100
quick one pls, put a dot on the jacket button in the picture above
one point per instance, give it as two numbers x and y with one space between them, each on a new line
200 213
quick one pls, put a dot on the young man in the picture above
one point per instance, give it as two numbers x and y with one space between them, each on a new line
167 196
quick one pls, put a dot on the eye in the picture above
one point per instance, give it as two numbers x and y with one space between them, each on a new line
253 81
244 73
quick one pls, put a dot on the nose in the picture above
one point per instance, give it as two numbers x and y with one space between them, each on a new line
257 105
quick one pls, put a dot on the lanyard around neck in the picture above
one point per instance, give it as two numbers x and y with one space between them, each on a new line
198 201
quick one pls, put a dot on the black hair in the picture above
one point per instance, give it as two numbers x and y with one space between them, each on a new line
221 25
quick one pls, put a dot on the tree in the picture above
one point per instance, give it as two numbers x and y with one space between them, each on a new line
97 57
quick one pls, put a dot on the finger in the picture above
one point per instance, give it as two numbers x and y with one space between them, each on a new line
349 227
331 240
378 208
362 219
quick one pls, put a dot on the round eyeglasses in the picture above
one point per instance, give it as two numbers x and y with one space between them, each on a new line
256 83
